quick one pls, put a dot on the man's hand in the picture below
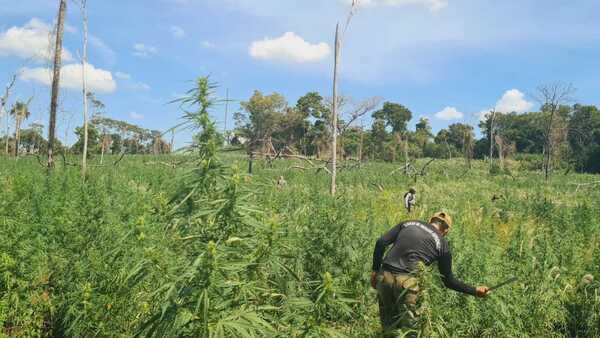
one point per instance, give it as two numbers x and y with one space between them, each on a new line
482 291
374 279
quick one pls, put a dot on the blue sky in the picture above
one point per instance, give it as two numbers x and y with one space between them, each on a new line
444 59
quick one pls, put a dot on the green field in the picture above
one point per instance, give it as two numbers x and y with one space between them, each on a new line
112 257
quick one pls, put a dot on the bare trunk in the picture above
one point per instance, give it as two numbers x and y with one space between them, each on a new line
85 103
341 151
334 111
56 80
18 119
172 140
250 160
468 149
102 149
226 113
500 143
406 155
156 147
3 101
548 144
7 134
546 164
491 159
547 147
360 147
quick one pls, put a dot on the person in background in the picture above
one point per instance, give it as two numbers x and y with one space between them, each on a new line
281 183
395 277
410 199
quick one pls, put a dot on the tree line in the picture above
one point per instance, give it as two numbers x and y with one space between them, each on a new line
560 136
557 136
104 135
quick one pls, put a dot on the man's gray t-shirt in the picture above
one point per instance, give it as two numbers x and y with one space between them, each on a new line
414 242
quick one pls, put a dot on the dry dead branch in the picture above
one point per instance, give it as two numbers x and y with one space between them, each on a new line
585 185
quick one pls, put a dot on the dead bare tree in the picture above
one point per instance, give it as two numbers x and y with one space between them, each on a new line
422 172
83 4
360 146
491 135
585 185
406 159
334 112
106 142
355 112
500 142
551 97
56 79
172 143
3 101
358 110
468 148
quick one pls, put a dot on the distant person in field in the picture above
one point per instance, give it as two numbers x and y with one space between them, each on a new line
410 199
281 183
396 277
496 198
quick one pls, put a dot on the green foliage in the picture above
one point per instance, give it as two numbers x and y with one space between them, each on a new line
115 257
525 130
264 114
93 140
584 138
395 116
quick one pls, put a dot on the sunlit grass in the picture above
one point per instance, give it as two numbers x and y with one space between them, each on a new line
101 259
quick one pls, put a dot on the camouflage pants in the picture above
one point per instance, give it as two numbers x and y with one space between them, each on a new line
398 299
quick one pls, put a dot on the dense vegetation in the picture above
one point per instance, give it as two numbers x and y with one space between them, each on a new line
190 245
115 257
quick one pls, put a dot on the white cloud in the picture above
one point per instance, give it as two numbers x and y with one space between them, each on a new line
177 32
449 113
140 86
513 101
98 80
207 44
32 41
136 116
432 5
141 50
288 47
122 76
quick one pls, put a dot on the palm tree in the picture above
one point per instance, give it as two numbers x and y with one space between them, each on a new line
20 112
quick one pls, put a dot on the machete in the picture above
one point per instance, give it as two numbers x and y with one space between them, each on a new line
508 281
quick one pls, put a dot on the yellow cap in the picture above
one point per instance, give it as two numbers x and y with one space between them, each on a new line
442 216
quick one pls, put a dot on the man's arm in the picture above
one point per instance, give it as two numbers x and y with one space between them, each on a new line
383 241
445 267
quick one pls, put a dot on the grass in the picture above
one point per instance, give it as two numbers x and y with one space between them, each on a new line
113 258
